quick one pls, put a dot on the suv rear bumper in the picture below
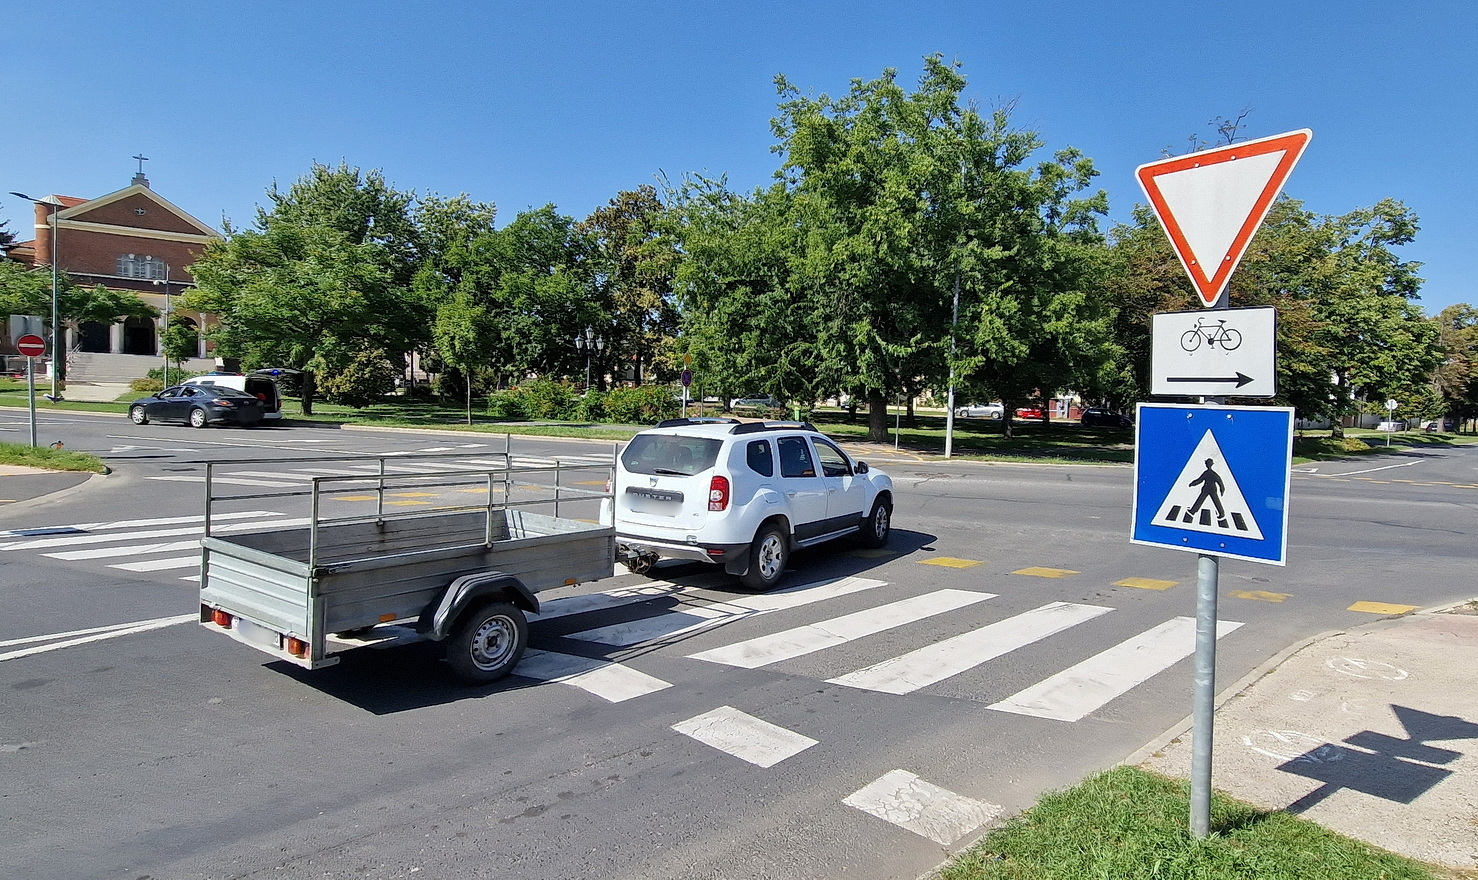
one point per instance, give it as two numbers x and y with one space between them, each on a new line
721 554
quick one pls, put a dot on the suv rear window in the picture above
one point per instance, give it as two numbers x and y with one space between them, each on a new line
670 454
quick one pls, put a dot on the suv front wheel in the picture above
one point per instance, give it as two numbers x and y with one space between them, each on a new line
878 525
768 556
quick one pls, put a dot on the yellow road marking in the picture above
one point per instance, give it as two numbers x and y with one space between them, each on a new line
1038 571
950 562
1381 608
1145 583
591 483
411 494
1258 595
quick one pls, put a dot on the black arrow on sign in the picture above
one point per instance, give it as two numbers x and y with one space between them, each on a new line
1240 379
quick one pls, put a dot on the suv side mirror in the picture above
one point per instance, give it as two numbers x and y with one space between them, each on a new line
862 467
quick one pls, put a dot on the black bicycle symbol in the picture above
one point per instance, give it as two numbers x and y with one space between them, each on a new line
1214 335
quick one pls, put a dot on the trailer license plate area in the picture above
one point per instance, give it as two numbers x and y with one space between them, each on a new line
256 634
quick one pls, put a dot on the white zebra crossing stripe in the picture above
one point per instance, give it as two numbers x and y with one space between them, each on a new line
698 617
98 634
609 681
1082 689
744 736
925 809
78 528
77 540
161 564
229 481
801 640
114 552
934 663
607 599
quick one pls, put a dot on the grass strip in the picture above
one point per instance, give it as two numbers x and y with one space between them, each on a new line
51 459
1130 823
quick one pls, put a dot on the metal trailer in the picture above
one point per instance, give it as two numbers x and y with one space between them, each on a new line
463 574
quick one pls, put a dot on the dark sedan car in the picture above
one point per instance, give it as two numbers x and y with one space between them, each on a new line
1103 417
198 406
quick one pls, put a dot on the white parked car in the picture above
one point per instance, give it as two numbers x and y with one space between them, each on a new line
742 495
744 402
980 411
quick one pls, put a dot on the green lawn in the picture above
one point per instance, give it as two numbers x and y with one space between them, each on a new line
1131 824
52 459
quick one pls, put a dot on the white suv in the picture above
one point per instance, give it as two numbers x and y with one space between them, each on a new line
742 495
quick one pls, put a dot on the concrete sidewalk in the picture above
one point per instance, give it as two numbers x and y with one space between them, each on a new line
1371 732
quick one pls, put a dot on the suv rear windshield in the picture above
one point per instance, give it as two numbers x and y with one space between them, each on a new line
670 454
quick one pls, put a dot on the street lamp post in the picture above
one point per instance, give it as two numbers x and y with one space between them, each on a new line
589 343
163 342
55 205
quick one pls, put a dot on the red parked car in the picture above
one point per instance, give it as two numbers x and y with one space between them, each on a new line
1029 412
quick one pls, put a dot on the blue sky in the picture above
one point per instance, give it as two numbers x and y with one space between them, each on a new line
527 104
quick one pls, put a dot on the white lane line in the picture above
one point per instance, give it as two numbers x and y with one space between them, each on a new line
124 630
1373 470
1081 689
229 481
698 617
161 564
907 673
810 638
744 736
76 540
922 807
271 475
134 523
609 681
609 599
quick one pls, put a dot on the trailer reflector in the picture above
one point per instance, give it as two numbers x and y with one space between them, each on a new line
221 618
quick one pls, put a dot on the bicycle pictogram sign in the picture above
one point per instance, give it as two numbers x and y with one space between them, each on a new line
1213 335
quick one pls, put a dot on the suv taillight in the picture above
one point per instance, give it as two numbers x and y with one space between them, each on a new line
718 493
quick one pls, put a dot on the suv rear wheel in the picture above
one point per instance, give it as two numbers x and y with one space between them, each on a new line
768 555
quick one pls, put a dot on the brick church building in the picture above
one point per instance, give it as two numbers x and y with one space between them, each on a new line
131 240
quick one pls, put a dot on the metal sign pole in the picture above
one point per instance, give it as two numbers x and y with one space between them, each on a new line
31 395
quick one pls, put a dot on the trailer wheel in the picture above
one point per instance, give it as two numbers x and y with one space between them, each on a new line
488 642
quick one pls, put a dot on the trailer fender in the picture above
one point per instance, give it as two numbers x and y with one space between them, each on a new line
468 590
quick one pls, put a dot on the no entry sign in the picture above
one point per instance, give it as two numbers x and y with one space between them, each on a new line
31 345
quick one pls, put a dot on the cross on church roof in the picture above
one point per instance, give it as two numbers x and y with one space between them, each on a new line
142 159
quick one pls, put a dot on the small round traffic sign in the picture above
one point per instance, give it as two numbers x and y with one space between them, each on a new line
687 378
31 345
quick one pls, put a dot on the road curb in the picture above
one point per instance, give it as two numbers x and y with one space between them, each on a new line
47 497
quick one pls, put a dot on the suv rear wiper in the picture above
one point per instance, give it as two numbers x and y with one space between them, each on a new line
671 471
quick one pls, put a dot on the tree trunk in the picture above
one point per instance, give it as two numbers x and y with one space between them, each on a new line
309 385
877 417
913 421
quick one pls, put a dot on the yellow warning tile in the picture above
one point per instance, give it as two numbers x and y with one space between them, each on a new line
1145 583
1038 571
1258 595
590 482
872 554
950 562
1381 608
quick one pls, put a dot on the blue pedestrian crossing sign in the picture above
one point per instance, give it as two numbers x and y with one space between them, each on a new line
1214 479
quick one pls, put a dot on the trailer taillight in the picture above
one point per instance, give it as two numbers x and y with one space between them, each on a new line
297 647
221 618
718 493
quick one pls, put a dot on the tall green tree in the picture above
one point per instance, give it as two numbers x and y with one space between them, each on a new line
632 264
1455 381
323 278
28 292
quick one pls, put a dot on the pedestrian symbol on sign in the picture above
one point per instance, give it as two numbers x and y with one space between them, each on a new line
1206 498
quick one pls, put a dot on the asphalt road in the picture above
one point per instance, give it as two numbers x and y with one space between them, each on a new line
174 752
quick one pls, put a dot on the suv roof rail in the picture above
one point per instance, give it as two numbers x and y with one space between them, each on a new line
679 423
756 427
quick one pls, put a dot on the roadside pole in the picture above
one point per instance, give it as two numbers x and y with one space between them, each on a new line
31 395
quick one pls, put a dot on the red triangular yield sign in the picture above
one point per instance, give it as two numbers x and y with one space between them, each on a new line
1210 203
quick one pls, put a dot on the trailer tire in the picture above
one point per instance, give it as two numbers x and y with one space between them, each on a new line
487 642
